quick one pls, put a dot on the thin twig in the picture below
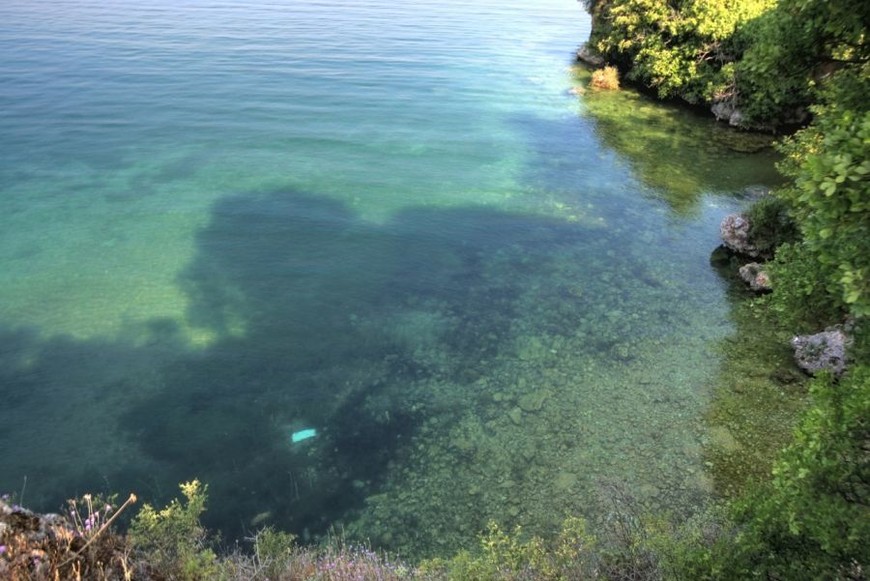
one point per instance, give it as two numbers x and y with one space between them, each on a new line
129 501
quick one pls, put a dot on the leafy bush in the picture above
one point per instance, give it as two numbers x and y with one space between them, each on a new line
173 537
813 520
510 556
803 296
770 225
768 58
830 164
795 47
678 49
273 551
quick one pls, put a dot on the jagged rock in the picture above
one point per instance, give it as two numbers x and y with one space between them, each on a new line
735 234
825 351
589 57
756 277
29 539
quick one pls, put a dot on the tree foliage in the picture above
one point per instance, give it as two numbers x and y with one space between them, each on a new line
173 537
793 49
829 163
679 48
813 520
765 57
781 62
777 62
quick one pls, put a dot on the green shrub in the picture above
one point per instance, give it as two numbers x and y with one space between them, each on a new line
769 58
511 556
771 225
696 548
174 539
678 49
791 51
273 551
803 297
830 164
813 520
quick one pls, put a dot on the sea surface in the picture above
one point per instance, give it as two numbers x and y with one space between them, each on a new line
397 224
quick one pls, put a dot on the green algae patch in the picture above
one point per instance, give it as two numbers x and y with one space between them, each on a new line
588 374
758 397
677 153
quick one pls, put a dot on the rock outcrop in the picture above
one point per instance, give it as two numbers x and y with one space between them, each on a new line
735 235
30 541
825 351
589 57
50 546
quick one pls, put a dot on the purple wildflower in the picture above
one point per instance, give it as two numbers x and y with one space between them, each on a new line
2 549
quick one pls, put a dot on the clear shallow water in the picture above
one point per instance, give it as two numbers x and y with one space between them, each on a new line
222 224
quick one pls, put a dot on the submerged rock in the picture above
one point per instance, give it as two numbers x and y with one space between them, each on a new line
735 234
756 191
721 438
756 277
533 402
825 351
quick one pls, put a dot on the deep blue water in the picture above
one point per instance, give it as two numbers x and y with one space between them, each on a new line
224 223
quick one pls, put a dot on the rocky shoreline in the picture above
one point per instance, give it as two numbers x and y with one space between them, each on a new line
825 351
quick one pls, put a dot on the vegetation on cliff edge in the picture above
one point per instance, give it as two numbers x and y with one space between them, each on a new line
779 63
763 58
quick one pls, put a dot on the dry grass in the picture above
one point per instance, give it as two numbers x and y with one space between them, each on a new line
606 79
54 547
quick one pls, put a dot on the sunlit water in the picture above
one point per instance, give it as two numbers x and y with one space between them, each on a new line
392 223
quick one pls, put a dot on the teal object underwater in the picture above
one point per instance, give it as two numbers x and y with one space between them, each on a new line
302 435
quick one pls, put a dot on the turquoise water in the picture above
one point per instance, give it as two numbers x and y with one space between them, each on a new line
393 224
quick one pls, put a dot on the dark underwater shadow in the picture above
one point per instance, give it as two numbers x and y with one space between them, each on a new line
318 319
61 398
310 308
277 281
